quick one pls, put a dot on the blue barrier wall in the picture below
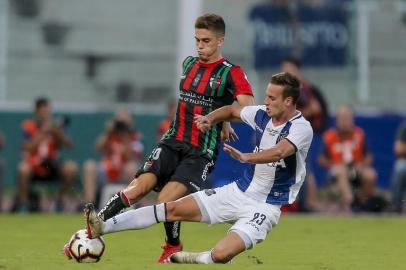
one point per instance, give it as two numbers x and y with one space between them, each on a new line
85 127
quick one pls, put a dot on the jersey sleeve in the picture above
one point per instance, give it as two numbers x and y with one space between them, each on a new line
240 82
186 64
248 114
300 135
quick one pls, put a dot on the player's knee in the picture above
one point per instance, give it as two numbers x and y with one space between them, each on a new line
221 255
172 213
136 192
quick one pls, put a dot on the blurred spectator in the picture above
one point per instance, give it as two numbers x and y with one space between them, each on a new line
121 149
1 173
349 162
399 174
166 123
314 108
311 103
43 138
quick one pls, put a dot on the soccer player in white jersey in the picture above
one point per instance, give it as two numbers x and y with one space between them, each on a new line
252 203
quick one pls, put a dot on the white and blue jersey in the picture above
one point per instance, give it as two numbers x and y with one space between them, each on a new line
276 182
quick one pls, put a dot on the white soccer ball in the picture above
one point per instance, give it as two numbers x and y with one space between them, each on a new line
83 249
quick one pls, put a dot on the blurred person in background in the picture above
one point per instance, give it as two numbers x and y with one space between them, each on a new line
165 124
311 103
1 172
183 159
121 148
399 173
314 108
43 139
349 162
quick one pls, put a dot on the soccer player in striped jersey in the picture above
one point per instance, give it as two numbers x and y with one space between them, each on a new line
252 203
181 162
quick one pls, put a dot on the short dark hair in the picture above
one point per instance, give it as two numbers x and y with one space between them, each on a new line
291 85
212 22
292 60
40 102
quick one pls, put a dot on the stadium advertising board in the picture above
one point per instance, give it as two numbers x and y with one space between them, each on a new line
318 36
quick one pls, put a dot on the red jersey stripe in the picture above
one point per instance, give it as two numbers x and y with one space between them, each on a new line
195 131
181 127
205 79
190 77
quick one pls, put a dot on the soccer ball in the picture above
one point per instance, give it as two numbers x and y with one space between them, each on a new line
83 249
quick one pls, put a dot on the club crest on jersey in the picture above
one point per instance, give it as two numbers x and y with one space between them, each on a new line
215 82
272 132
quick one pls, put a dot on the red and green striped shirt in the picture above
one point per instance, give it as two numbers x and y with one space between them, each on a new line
204 88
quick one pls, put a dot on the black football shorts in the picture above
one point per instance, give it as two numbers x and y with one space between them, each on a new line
178 161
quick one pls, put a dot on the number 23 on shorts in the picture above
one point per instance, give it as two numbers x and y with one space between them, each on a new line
258 218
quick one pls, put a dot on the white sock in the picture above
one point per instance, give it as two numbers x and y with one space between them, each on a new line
204 258
136 219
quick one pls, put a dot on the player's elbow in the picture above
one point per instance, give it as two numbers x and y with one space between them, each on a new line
235 112
278 154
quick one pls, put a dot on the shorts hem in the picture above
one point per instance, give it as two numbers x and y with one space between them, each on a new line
191 188
249 243
203 210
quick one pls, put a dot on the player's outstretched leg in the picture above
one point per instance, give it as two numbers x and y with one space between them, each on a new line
94 224
115 205
135 191
191 257
225 250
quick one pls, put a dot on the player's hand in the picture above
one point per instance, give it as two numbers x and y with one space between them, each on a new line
202 123
234 153
228 133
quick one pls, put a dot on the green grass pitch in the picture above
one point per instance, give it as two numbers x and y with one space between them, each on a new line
298 242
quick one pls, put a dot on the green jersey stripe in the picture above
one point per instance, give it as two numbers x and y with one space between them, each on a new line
223 81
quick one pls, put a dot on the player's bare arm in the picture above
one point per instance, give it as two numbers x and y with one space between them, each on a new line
226 113
281 150
227 132
245 100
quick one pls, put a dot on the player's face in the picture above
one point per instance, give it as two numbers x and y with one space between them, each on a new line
274 102
208 45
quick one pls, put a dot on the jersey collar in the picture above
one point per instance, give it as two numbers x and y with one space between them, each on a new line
211 64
